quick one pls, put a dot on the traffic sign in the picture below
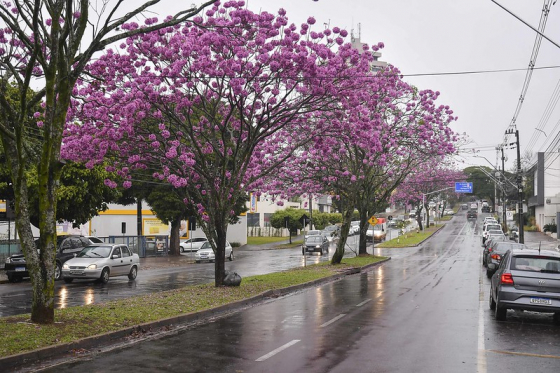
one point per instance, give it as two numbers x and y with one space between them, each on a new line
373 220
463 187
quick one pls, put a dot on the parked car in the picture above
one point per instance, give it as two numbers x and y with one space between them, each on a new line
526 279
192 244
485 208
490 227
101 261
354 227
489 219
315 244
206 253
489 245
67 247
513 233
494 257
472 214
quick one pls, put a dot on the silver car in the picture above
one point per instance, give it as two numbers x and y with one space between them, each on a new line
100 262
206 253
526 279
192 244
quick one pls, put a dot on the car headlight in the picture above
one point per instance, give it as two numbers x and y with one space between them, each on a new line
8 260
318 246
65 266
92 266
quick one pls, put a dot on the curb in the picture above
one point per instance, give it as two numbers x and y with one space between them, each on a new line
69 350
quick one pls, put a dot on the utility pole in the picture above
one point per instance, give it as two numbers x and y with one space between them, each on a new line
504 215
519 185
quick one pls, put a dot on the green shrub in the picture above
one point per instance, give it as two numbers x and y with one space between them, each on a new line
549 228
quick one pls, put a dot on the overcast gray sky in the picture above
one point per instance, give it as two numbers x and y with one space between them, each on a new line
437 36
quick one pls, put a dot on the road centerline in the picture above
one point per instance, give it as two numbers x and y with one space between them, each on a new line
333 320
362 303
279 349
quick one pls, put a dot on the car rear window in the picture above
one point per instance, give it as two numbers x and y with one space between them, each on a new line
493 227
536 264
502 247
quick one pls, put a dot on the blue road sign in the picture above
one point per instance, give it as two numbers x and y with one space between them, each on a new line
463 187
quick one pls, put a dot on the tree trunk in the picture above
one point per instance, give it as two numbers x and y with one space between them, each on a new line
419 217
174 237
426 208
363 229
340 246
219 265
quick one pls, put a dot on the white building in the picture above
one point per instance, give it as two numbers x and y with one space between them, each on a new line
546 198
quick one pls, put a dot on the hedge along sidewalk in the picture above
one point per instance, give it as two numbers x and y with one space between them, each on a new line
86 327
411 238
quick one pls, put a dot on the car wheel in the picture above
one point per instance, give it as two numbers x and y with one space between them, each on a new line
68 279
12 278
500 312
556 318
133 273
57 271
489 273
231 256
491 302
104 276
181 249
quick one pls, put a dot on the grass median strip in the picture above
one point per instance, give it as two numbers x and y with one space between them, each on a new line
410 238
20 335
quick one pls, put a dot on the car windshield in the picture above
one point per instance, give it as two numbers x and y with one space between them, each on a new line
206 245
314 239
495 232
313 233
95 252
536 264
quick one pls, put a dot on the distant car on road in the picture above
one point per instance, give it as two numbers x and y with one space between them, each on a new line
526 279
192 244
101 261
472 214
312 233
331 232
205 253
464 206
315 244
376 233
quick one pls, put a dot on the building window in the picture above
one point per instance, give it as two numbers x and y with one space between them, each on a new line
253 220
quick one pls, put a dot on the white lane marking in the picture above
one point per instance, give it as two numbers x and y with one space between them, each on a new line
364 302
279 349
333 320
481 363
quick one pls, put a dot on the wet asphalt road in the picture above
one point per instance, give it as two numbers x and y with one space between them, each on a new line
16 298
426 310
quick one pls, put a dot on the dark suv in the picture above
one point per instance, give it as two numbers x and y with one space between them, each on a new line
472 214
67 246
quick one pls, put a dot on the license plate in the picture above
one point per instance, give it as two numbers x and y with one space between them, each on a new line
545 301
76 272
20 269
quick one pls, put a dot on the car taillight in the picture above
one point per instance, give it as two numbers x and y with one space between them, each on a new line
489 249
496 257
506 278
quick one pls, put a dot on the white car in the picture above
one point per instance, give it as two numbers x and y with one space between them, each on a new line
100 262
313 233
205 253
192 244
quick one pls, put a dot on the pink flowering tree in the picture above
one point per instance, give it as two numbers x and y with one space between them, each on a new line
377 136
432 178
212 107
42 44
